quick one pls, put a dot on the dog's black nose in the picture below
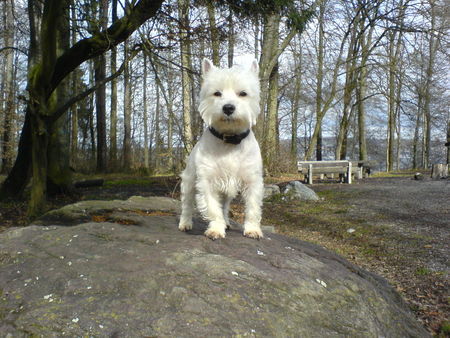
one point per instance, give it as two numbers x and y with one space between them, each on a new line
228 109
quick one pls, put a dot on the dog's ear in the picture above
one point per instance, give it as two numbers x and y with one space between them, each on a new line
255 67
207 66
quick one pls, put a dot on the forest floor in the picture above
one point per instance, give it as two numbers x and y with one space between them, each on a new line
394 226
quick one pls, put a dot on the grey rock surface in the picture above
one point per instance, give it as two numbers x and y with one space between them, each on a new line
149 279
298 191
270 190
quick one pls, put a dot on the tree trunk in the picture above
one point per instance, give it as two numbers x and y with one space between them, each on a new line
365 42
93 157
74 109
298 61
158 142
231 38
8 90
183 14
319 81
448 138
59 176
439 171
39 141
40 104
214 34
100 94
360 95
127 158
145 117
391 104
14 184
429 79
170 123
113 112
270 39
270 139
415 150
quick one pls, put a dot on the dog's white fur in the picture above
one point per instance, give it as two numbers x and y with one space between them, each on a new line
216 171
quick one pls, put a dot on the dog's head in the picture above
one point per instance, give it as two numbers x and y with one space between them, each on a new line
229 98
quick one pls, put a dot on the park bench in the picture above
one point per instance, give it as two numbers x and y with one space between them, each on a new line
344 168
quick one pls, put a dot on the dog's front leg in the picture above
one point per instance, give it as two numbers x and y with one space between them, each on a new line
226 210
187 200
253 194
210 206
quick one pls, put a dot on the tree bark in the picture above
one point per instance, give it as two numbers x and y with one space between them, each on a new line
75 77
268 49
298 61
127 158
59 176
231 38
146 153
158 141
415 149
270 140
100 94
428 83
448 138
9 92
214 34
183 14
113 112
319 80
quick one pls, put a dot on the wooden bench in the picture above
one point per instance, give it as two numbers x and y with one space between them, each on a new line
342 167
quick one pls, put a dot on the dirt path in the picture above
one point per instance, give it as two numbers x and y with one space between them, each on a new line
396 227
412 209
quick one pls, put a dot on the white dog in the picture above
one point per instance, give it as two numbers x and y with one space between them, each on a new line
227 159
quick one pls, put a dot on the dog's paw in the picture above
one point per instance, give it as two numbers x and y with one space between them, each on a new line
215 230
185 225
253 232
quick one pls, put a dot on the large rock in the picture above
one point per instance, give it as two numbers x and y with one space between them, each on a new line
270 190
149 279
298 191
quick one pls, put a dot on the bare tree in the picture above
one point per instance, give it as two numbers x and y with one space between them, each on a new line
183 17
8 89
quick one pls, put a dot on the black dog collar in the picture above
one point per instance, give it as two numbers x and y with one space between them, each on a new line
230 138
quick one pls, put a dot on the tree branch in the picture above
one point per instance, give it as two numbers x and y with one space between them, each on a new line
13 48
63 108
101 42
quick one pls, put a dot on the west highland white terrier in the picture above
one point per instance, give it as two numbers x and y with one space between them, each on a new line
226 160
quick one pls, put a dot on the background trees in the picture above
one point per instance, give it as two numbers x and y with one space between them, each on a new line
339 79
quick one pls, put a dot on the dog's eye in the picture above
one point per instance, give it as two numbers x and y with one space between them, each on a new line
243 93
217 93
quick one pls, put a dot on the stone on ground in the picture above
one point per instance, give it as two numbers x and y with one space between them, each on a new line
270 190
295 190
